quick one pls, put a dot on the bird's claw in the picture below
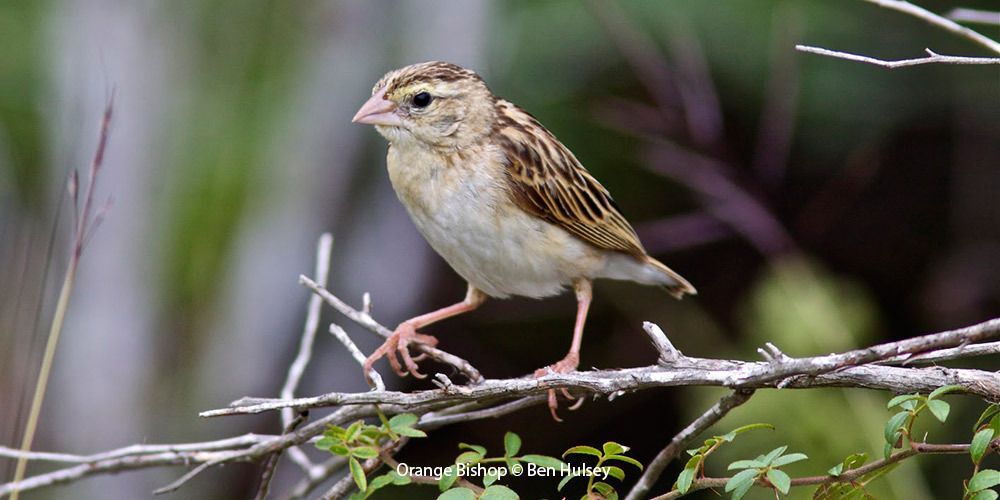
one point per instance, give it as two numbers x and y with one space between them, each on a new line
565 365
398 345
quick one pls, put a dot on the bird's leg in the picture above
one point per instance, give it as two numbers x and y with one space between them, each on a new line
572 360
406 333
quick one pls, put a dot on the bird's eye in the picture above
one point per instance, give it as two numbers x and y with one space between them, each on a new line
421 100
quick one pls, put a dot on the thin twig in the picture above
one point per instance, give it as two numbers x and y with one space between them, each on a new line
853 368
352 348
301 361
962 14
940 22
684 438
668 353
931 58
364 319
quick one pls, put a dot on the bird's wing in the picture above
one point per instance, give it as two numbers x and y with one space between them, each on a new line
546 180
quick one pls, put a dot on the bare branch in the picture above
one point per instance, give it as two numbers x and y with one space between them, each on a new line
962 14
931 58
364 319
301 361
940 22
848 369
352 348
668 353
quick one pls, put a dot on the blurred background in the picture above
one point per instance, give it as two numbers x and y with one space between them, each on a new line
815 203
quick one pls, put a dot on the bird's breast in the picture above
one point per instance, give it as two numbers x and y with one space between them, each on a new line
462 206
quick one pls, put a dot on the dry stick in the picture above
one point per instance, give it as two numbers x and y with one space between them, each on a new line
290 419
845 477
136 450
83 227
683 439
941 22
243 448
931 58
365 319
963 14
298 366
966 351
849 369
697 372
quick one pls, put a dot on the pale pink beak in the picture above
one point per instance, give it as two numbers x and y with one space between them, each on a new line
378 110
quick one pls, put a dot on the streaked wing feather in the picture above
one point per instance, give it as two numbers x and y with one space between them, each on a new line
549 182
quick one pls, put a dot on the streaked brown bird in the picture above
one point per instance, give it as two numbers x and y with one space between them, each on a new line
504 202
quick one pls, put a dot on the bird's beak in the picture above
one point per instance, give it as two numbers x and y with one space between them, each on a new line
378 111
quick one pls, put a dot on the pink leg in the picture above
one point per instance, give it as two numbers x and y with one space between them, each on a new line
572 360
406 333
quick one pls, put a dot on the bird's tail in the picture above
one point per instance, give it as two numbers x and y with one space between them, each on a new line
674 283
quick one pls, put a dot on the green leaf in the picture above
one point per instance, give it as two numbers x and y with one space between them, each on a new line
458 494
490 477
410 432
358 473
893 426
623 458
685 479
980 442
836 470
901 399
583 450
788 459
448 478
887 451
565 480
499 492
615 472
985 495
780 480
775 453
399 479
939 409
852 461
613 448
941 391
364 452
984 479
989 412
352 431
511 444
339 449
544 461
473 447
380 481
468 457
605 489
747 464
741 483
729 436
335 432
402 420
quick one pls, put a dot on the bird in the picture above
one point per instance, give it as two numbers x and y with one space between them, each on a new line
506 204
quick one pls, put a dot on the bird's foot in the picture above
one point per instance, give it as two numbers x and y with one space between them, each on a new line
565 365
398 344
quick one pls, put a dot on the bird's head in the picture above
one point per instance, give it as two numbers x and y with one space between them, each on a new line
433 104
